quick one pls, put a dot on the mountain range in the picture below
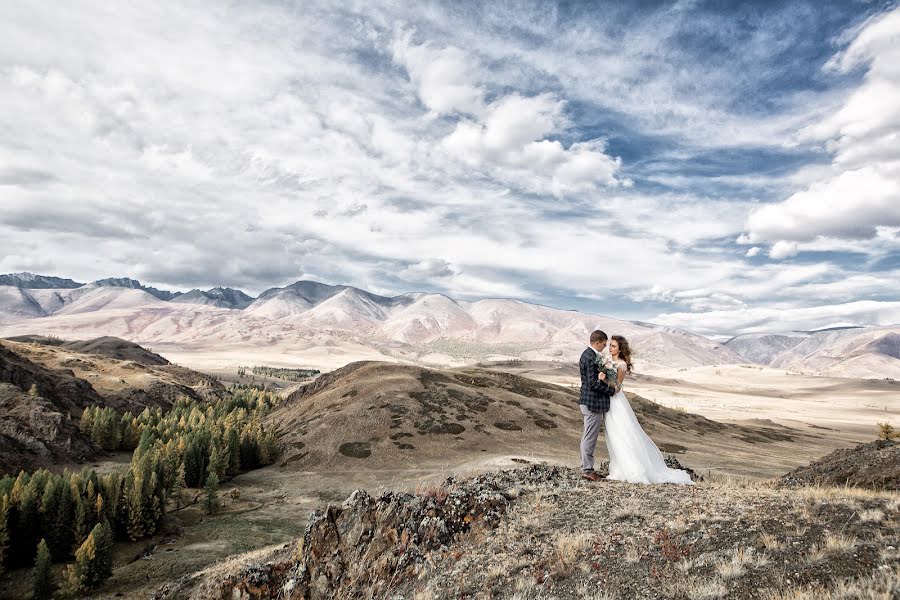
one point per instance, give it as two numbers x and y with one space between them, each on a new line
329 325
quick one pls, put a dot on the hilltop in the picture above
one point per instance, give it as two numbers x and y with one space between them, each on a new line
45 384
541 532
380 415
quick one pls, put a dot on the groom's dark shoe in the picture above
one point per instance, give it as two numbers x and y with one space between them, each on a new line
591 476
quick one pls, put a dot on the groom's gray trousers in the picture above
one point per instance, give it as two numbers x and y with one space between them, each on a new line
593 424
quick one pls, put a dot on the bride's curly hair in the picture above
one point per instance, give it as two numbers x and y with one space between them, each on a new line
624 351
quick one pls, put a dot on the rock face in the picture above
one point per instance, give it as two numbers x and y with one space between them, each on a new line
68 393
37 282
762 349
125 282
362 546
34 432
366 546
875 465
220 297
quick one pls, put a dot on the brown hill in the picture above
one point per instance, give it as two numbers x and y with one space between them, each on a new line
381 415
39 411
44 388
67 392
108 346
123 383
875 465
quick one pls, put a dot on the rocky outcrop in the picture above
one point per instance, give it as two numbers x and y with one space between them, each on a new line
365 546
34 433
875 465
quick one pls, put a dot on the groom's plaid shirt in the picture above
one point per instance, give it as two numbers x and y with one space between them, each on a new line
594 393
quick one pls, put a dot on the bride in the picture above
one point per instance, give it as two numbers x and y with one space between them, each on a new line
633 456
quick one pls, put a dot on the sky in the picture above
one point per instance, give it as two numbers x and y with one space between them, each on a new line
724 168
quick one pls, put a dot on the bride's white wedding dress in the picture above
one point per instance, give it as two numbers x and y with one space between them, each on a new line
633 456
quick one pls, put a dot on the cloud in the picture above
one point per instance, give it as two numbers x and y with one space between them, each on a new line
445 77
851 205
859 194
595 158
430 269
510 133
782 249
783 320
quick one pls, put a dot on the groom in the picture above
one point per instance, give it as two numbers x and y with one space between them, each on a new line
595 395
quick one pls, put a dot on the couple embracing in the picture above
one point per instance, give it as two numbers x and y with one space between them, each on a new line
633 456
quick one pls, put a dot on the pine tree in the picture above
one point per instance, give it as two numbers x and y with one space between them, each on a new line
136 509
211 492
50 523
103 538
87 421
233 448
62 537
218 460
99 509
82 520
42 576
178 487
93 561
4 531
78 574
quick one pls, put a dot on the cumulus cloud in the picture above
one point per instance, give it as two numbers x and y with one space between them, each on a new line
434 268
783 249
511 134
446 78
851 205
860 192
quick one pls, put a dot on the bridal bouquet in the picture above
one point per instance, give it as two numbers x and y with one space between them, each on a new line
608 366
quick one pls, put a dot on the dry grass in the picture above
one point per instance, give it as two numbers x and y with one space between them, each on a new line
880 586
842 493
871 516
839 543
587 589
770 542
687 565
630 509
699 588
568 548
632 554
436 491
731 569
816 553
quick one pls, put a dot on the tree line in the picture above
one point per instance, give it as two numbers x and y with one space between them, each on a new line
47 517
281 373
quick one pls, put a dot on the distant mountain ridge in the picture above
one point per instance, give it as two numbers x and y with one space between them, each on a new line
329 322
125 282
37 282
218 296
844 351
